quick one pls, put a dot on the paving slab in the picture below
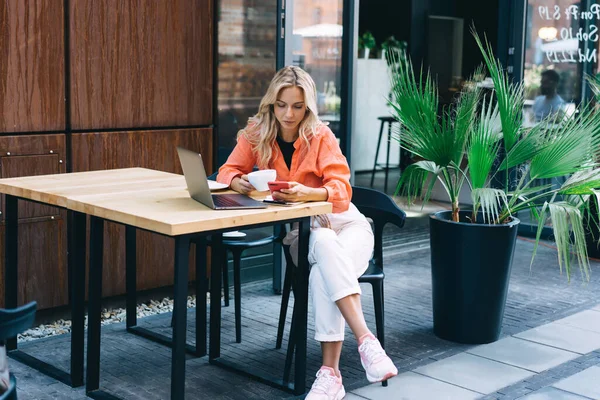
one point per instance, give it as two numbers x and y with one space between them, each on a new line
412 386
524 354
351 396
588 320
550 393
474 373
564 337
586 383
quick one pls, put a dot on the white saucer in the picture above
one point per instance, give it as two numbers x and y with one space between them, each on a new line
234 234
214 185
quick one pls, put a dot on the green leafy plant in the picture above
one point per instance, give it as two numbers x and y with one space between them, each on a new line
480 139
368 40
393 43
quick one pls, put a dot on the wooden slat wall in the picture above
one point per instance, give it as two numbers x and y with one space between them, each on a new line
32 86
141 63
132 64
148 149
42 229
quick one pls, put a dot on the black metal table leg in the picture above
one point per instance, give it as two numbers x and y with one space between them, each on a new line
182 246
215 296
201 289
131 298
301 301
130 276
94 305
277 259
11 262
77 268
76 265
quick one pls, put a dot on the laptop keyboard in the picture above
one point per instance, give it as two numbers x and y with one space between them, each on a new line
222 200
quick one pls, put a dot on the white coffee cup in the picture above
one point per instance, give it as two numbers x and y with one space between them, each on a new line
260 179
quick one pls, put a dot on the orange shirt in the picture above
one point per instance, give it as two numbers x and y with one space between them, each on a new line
321 164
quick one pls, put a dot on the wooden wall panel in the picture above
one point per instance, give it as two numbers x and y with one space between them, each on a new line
42 229
148 149
32 86
141 63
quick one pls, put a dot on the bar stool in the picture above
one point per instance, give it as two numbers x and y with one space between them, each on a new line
386 167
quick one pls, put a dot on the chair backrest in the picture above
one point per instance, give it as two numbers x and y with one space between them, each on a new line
16 320
382 209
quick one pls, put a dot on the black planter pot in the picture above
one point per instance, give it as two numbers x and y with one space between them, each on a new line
470 271
592 233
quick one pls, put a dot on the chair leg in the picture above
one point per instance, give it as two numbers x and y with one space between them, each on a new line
285 298
226 280
379 314
237 289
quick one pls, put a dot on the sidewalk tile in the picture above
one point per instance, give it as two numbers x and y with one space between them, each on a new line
588 320
586 383
524 354
350 396
564 337
474 373
411 386
550 393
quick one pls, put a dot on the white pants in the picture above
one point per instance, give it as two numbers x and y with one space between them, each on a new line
337 258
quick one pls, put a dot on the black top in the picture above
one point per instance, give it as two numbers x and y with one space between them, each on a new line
287 149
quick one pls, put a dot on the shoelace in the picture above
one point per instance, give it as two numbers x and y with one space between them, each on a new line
324 381
372 350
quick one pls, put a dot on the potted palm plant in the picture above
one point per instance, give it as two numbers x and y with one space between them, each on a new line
473 143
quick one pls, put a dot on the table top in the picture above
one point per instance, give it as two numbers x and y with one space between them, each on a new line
147 199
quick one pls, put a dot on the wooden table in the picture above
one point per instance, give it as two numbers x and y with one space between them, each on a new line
158 202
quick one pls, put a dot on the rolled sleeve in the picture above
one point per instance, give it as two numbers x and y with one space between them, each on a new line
240 162
336 176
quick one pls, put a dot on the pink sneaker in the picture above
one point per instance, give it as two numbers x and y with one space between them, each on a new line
377 364
327 386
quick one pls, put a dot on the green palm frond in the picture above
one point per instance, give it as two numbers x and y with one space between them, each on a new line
509 95
483 146
570 146
415 105
490 201
530 143
594 82
581 183
465 116
413 179
567 222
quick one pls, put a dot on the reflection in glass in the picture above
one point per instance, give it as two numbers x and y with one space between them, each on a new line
557 42
316 46
247 55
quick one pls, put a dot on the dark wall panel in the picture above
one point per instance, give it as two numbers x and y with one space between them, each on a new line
141 63
42 229
32 86
148 149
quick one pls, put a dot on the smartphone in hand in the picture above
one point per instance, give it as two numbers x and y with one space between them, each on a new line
276 186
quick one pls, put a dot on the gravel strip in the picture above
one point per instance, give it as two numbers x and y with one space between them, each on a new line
111 316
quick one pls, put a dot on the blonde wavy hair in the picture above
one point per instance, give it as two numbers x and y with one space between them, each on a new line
262 128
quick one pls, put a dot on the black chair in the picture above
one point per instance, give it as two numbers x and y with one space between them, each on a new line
13 322
382 210
237 246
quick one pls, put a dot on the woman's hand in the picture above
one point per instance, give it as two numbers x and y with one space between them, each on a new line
242 185
299 192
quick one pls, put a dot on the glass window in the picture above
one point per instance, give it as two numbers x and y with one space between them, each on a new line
316 46
247 55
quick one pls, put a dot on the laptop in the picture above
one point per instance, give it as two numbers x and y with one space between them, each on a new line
197 183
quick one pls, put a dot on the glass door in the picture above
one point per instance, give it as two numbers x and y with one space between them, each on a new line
559 47
314 30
